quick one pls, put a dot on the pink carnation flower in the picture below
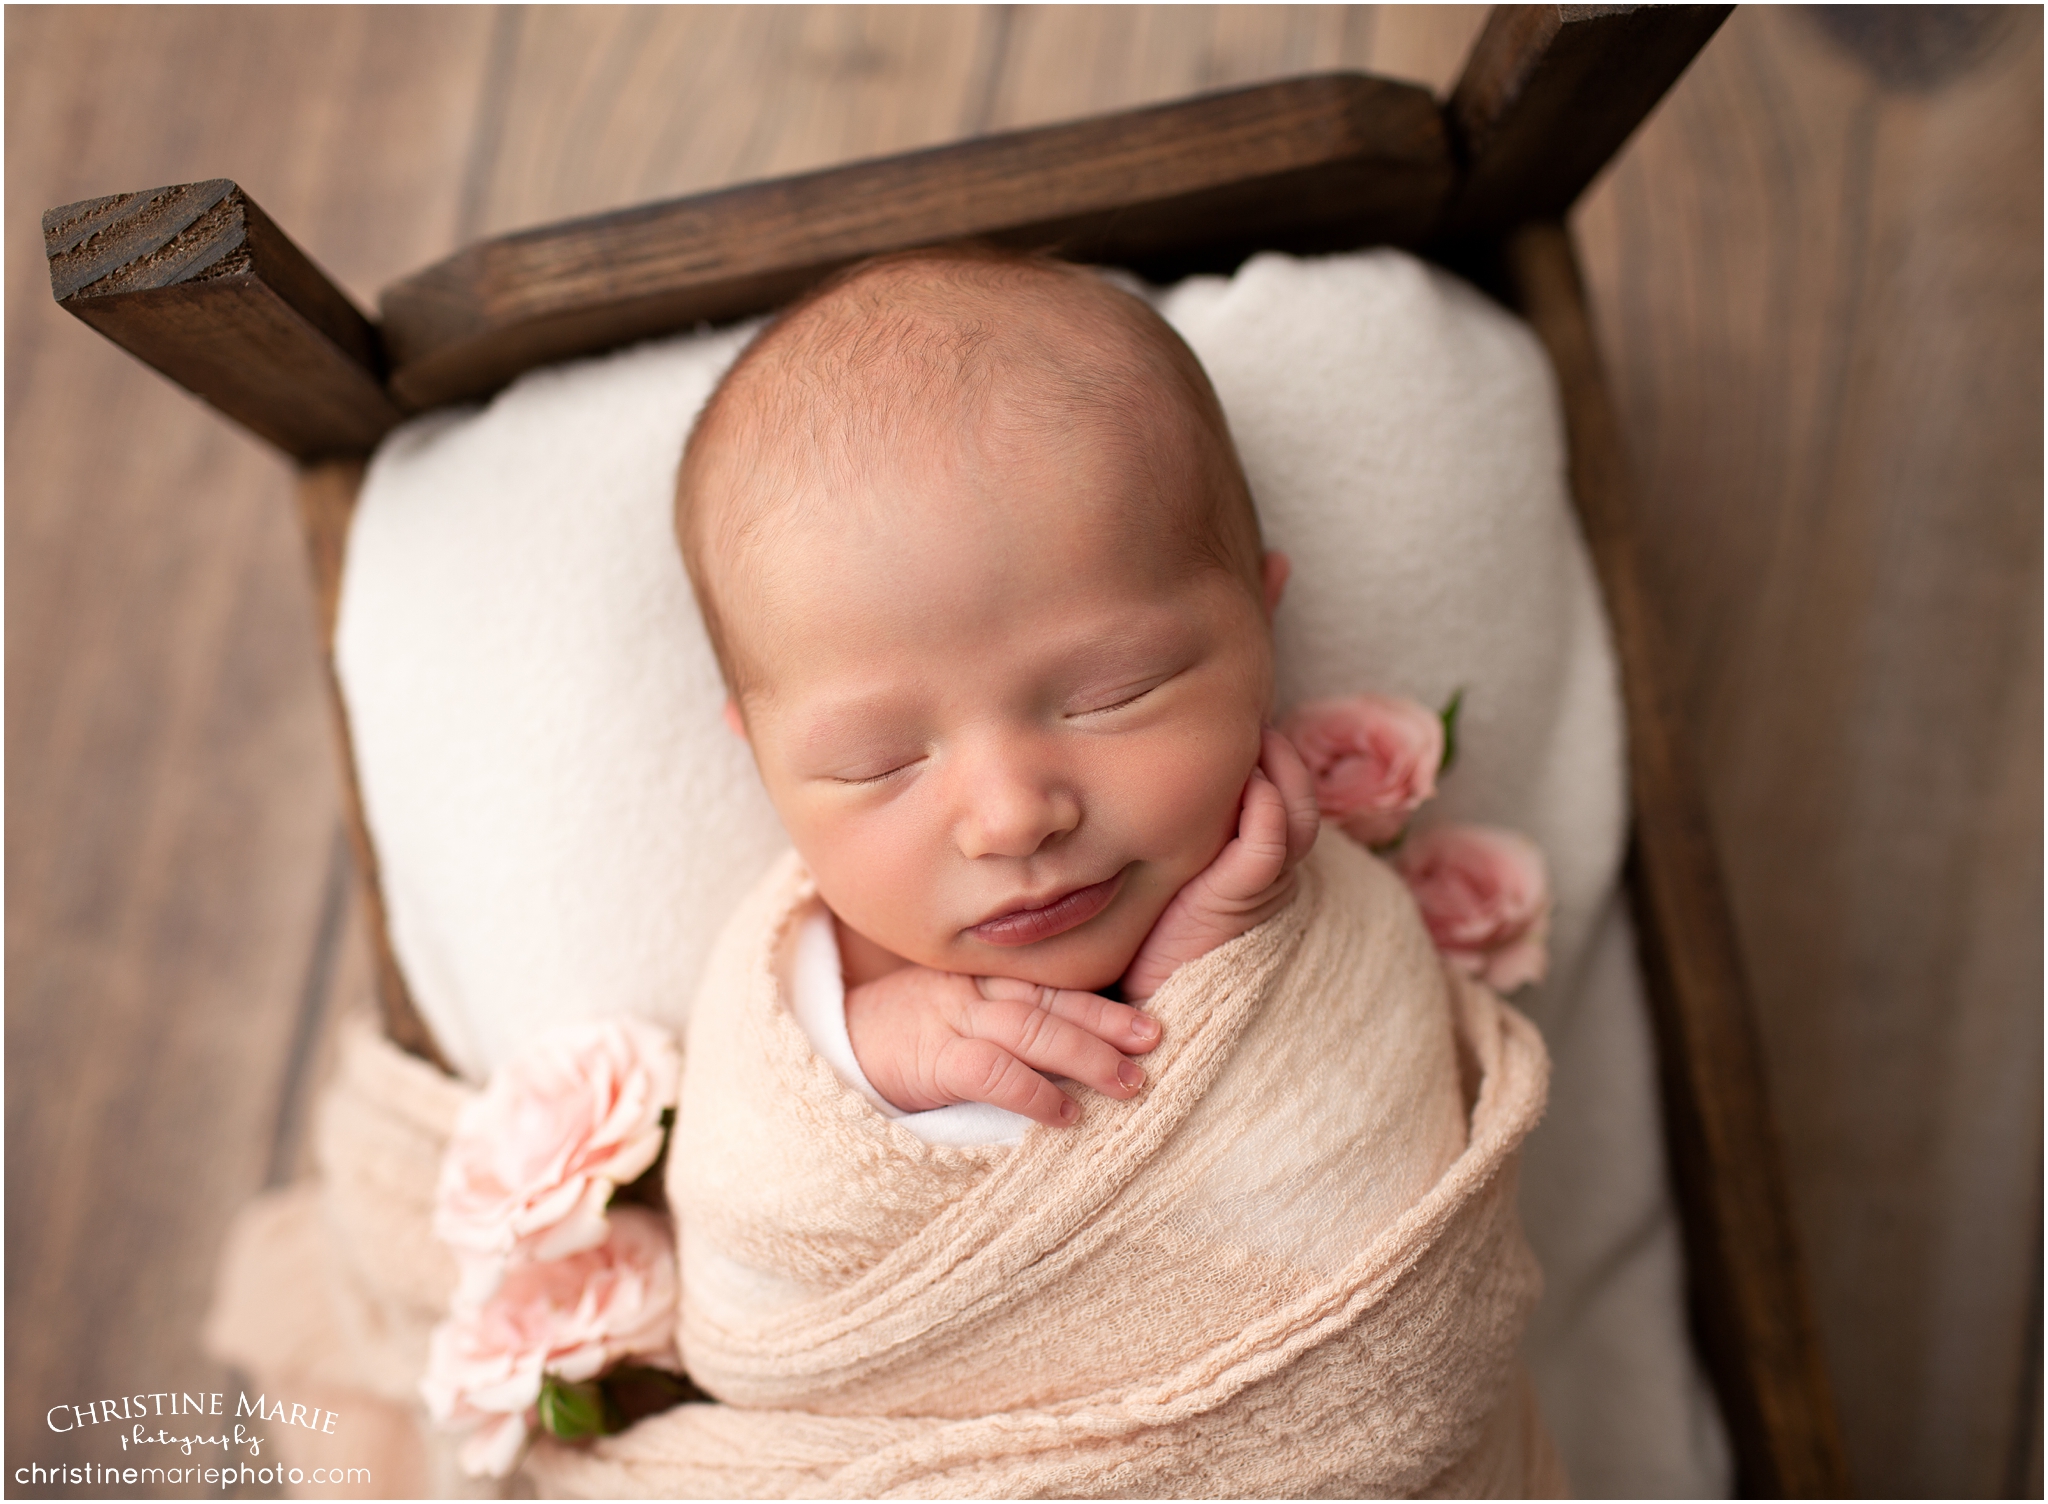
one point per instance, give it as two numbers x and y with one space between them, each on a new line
572 1317
1374 759
1485 896
535 1157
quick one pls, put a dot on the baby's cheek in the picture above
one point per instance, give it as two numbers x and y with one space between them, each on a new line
1189 806
868 875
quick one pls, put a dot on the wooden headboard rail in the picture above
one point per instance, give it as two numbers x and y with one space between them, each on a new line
197 281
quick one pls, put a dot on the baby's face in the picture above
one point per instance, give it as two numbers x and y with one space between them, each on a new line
1002 716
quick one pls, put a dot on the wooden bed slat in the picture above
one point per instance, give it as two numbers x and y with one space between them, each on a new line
196 281
1549 94
327 505
1751 1310
1309 164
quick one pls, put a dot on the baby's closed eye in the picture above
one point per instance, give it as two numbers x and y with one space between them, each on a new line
869 752
1109 698
875 770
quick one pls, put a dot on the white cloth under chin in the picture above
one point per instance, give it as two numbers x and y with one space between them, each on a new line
817 995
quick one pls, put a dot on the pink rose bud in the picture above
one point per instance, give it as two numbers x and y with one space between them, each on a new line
1374 759
484 1367
1485 896
615 1302
535 1157
573 1317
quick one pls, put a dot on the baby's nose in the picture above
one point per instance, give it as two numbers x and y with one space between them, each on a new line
1011 805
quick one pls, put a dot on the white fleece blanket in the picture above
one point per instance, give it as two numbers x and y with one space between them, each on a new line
564 824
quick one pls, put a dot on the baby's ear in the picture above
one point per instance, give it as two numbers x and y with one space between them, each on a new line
1273 575
734 721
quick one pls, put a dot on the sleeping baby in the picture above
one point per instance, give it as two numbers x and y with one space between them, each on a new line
983 575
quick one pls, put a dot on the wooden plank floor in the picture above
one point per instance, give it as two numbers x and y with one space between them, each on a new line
1820 279
1818 271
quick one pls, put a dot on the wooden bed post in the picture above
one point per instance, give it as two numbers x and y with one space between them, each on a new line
197 281
1547 97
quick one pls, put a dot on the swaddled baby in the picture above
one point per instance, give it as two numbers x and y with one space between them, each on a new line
982 571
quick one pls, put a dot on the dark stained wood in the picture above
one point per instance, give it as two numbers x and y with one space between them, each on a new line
1549 95
1308 164
196 281
1751 1306
327 504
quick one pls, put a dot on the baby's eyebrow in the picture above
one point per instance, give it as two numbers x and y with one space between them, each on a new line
1132 646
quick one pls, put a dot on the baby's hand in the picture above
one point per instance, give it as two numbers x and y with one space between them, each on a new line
1251 879
933 1038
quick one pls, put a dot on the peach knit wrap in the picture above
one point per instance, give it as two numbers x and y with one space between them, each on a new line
1291 1266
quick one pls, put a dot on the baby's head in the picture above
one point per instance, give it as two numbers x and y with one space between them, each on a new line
983 576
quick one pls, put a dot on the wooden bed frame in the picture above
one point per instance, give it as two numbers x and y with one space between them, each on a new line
199 283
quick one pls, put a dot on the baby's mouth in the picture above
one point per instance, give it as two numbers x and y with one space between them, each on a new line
1069 911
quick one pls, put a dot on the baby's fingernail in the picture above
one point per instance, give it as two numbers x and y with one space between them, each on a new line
1130 1074
1069 1110
1145 1027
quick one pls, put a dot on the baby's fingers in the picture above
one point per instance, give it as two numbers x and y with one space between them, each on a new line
1282 764
1113 1023
1052 1046
980 1070
1248 867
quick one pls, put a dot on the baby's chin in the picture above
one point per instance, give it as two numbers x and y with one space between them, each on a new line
1083 974
1086 959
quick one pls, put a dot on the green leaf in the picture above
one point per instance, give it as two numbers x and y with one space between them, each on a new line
574 1411
1449 716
